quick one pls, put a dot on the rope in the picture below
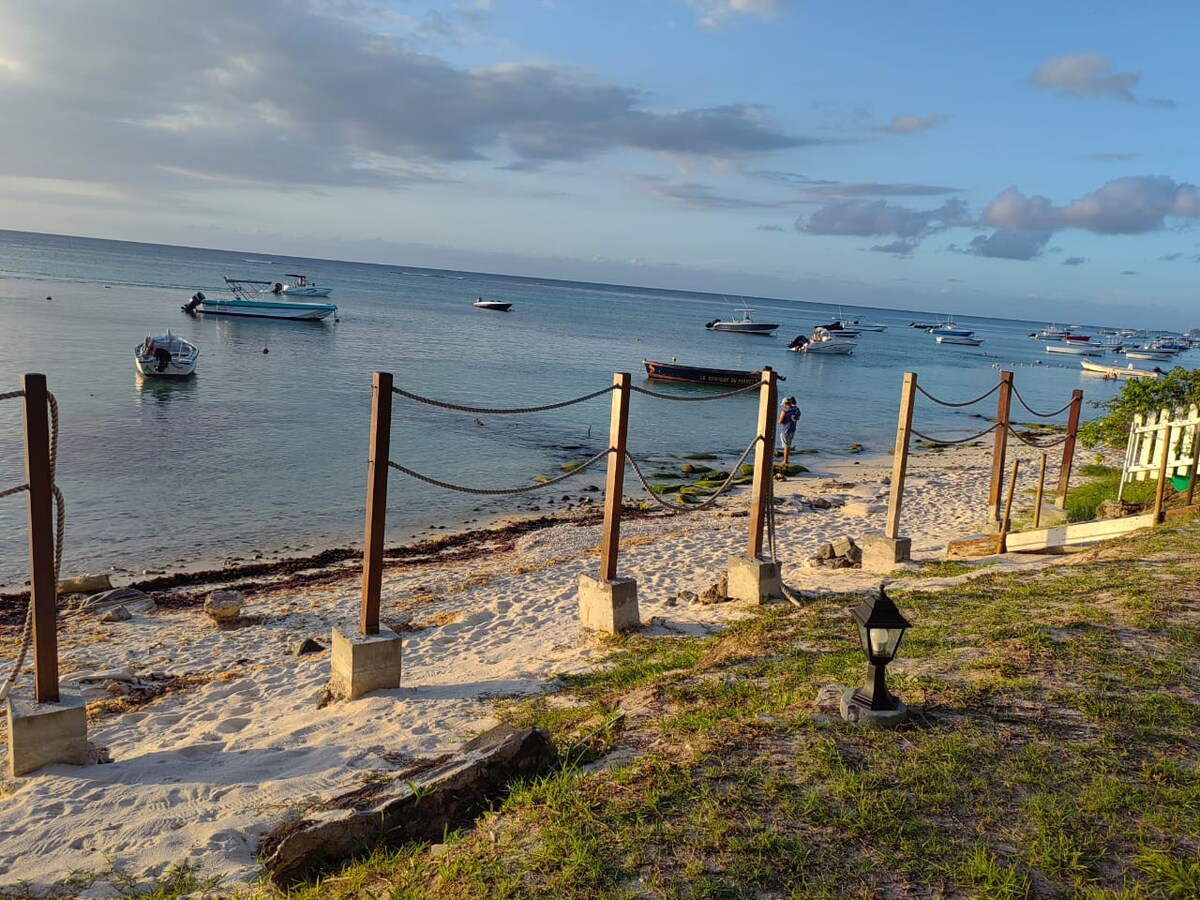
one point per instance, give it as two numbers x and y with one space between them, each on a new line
13 490
481 410
676 508
11 394
1034 412
968 403
1041 445
957 440
497 492
750 387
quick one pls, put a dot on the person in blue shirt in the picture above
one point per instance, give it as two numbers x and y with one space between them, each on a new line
788 419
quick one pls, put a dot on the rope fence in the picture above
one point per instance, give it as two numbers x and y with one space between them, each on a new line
483 410
679 398
948 442
677 508
499 492
1034 412
925 393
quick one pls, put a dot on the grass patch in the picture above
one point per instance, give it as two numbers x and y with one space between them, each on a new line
1082 500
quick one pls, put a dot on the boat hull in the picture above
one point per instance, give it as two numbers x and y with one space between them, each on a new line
959 340
497 305
1076 350
1117 371
266 309
746 327
661 371
827 348
1152 355
307 291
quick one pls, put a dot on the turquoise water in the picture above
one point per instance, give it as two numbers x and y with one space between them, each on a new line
267 451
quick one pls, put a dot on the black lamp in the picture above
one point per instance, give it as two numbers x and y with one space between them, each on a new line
880 629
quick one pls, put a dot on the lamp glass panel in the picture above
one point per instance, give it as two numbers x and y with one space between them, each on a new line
885 641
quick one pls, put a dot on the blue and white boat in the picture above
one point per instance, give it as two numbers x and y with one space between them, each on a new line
257 305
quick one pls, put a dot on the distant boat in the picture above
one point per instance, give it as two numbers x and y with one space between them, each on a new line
498 305
1076 349
672 371
248 305
835 342
859 325
1149 354
1117 372
1052 333
949 329
744 325
165 356
300 286
963 339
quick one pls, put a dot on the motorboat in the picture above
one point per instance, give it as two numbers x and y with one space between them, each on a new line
300 286
248 304
1117 372
949 329
824 340
859 325
1149 353
963 340
744 325
1052 333
673 371
1078 338
165 356
498 305
1076 349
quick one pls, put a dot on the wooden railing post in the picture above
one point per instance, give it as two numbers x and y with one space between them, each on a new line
908 397
1161 487
1191 491
1003 405
1006 522
40 512
377 479
764 461
1037 503
614 489
1064 472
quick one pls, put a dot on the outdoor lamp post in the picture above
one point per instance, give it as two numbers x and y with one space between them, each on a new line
880 630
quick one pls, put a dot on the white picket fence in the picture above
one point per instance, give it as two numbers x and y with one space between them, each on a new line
1143 453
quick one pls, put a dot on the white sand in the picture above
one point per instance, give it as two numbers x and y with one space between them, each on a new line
198 775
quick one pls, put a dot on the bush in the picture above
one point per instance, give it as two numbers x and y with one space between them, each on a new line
1179 388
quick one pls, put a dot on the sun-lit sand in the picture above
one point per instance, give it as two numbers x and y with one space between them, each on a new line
200 773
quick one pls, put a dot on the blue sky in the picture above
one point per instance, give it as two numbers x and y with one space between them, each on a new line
1026 159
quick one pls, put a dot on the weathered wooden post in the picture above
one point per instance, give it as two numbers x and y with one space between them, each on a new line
882 553
53 728
610 603
1007 520
370 660
995 492
1161 487
751 577
1037 503
1191 491
1064 472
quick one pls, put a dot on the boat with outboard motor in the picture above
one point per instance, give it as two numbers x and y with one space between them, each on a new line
497 305
246 304
744 325
835 342
165 356
1076 349
964 340
673 371
300 286
1117 372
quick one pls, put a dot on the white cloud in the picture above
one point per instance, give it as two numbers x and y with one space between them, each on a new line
1131 205
1090 75
714 13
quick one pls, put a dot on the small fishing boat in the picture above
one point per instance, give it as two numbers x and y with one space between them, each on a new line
1051 333
1117 372
950 329
1076 349
673 371
498 305
300 286
165 356
1078 338
859 325
744 325
1149 353
825 340
963 340
248 305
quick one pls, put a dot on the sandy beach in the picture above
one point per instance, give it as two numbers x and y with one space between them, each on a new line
218 735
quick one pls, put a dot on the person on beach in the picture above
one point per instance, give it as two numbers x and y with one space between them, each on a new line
789 417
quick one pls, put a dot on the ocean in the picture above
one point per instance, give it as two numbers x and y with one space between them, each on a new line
264 450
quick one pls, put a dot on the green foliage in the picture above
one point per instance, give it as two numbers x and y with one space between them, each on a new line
1083 500
1179 388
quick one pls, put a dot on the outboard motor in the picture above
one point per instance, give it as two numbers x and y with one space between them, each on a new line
799 342
190 306
712 323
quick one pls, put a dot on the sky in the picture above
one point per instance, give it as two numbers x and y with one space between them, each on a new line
1024 159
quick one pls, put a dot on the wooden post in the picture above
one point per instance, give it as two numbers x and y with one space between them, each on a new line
40 513
1037 503
1195 462
1012 487
377 479
908 398
614 489
1003 405
1068 457
764 461
1160 489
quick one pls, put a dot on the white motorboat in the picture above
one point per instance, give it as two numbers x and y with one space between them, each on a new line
949 329
859 325
498 305
1117 372
165 356
825 340
300 286
744 325
1076 349
962 339
248 305
1052 333
1149 353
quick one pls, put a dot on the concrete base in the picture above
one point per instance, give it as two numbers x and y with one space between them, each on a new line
857 714
755 580
364 663
882 554
41 734
610 606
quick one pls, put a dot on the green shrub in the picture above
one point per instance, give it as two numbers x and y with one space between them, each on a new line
1179 388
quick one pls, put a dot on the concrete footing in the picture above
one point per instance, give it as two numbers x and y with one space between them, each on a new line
755 580
610 606
882 554
41 734
362 663
858 714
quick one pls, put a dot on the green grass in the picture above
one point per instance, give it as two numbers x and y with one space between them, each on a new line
1082 500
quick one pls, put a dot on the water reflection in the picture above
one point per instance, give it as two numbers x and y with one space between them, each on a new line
162 390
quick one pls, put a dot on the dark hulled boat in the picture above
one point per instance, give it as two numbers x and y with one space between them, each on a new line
663 371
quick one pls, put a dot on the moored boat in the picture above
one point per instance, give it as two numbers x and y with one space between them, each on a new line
744 325
836 342
1149 353
1075 349
1117 372
498 305
300 286
165 356
963 339
673 371
260 306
